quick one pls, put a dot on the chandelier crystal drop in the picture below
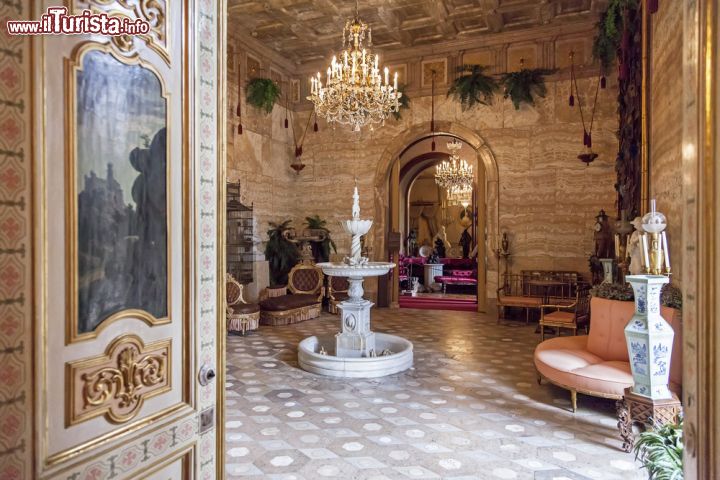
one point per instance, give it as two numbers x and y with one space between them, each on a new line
354 91
454 175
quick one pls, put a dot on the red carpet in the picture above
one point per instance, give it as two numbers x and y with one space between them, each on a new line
429 303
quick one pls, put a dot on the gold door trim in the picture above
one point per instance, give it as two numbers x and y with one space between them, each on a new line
117 383
182 409
150 11
185 454
72 66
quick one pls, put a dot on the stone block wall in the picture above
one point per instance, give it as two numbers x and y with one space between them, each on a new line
665 147
548 198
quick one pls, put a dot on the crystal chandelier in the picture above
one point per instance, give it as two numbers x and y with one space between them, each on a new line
460 196
353 92
455 174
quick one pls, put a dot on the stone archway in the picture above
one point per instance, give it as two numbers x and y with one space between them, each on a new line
487 281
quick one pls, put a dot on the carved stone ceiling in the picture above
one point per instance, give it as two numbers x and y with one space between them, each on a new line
307 30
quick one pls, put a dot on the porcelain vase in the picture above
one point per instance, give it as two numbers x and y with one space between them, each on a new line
649 338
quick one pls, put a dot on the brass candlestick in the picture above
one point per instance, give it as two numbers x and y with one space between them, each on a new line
656 254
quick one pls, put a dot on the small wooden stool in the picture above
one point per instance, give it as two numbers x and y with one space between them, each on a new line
634 408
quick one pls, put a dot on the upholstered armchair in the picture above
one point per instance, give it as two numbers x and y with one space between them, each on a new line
337 292
241 315
302 299
570 317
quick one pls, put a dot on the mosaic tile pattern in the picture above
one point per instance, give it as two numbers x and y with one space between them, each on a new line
469 409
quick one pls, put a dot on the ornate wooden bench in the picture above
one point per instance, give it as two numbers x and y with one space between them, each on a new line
305 284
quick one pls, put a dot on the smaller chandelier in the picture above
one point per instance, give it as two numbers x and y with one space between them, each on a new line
454 174
460 196
354 92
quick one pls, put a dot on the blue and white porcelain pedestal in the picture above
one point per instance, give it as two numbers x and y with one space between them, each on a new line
649 338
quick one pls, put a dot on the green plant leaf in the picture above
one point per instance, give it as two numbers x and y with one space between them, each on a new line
262 93
473 86
280 253
523 86
661 451
609 32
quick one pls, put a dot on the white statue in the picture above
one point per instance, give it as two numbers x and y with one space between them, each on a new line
442 235
634 248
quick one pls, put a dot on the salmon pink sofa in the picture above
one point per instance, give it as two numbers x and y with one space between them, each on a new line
597 364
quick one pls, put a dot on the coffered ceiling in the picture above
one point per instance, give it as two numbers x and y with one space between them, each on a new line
304 31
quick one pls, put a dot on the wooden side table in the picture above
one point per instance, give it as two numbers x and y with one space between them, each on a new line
633 408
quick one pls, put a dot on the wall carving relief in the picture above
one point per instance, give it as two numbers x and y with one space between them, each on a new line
154 12
117 383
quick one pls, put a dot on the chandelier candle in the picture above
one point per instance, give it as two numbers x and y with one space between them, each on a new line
354 92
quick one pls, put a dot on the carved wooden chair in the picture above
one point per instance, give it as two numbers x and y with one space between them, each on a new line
241 315
302 302
570 317
337 291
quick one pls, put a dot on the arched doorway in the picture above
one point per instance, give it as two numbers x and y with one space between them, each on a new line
487 200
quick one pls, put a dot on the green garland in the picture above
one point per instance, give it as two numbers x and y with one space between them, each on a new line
473 86
609 32
524 85
262 93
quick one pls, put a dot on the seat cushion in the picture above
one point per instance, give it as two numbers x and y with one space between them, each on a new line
288 302
245 308
567 362
565 353
559 317
340 296
519 301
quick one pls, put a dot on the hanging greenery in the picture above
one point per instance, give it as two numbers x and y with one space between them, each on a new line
262 93
661 451
473 86
609 32
523 86
404 102
280 253
321 250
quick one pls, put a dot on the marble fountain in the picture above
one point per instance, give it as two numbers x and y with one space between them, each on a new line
355 351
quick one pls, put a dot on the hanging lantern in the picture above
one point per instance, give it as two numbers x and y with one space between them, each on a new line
240 130
286 123
603 82
315 126
571 101
587 156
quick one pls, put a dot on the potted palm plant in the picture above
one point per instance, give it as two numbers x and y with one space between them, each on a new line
661 452
321 249
280 253
473 86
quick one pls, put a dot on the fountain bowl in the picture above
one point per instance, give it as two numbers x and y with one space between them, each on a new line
369 269
329 365
356 226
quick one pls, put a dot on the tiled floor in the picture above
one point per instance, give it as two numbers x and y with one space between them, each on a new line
470 408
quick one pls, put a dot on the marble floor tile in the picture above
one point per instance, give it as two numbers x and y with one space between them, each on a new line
470 408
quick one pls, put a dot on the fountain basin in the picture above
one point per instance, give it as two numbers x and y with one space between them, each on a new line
369 269
329 365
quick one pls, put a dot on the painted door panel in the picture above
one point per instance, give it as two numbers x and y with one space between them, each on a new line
125 245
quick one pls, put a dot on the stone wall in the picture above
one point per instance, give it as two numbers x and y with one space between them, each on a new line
665 147
548 198
260 157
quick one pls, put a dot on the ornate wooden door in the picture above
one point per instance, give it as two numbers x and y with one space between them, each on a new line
125 251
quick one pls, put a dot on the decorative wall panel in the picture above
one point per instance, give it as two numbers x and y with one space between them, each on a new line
116 384
16 209
152 11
